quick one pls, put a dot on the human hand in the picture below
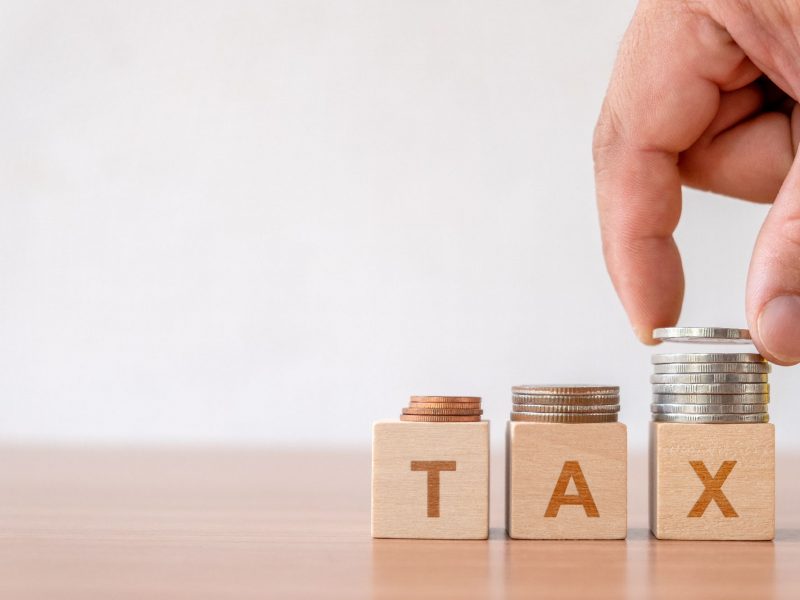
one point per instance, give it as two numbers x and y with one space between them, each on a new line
704 93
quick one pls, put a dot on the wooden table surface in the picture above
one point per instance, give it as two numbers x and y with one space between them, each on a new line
116 523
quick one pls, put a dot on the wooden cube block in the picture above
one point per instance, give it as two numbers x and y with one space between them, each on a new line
712 482
566 481
430 480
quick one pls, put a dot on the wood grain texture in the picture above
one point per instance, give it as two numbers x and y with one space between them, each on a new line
430 480
712 482
566 481
172 523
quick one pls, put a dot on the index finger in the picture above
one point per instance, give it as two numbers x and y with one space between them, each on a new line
663 94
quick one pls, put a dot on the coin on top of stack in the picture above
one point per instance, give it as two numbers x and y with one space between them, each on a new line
579 403
443 409
719 387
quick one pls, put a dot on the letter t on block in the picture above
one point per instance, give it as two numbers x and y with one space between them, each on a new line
430 480
433 467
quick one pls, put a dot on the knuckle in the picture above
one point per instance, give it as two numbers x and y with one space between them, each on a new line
606 138
789 231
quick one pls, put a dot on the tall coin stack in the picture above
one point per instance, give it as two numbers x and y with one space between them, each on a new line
709 388
443 409
565 403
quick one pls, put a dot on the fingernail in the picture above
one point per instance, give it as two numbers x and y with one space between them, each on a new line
779 328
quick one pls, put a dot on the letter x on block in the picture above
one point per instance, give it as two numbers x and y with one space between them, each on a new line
713 489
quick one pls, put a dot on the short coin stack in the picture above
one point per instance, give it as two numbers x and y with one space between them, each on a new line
443 409
709 388
565 403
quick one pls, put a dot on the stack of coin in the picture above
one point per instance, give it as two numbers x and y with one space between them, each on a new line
709 388
443 409
565 403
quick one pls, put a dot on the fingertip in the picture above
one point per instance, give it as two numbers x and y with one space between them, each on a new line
773 280
777 330
645 335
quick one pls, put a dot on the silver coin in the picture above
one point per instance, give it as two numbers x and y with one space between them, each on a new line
719 367
710 388
578 389
707 335
564 400
565 417
710 398
709 378
701 409
566 408
720 419
708 357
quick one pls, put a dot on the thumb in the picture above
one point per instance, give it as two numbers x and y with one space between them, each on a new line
773 282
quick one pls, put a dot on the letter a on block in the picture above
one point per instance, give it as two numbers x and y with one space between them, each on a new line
713 489
433 467
571 470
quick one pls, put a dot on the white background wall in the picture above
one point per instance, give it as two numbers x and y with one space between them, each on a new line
273 221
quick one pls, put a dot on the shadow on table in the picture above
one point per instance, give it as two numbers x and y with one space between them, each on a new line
708 569
565 568
430 568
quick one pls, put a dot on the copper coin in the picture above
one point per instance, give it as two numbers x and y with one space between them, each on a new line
440 418
470 399
442 411
471 405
